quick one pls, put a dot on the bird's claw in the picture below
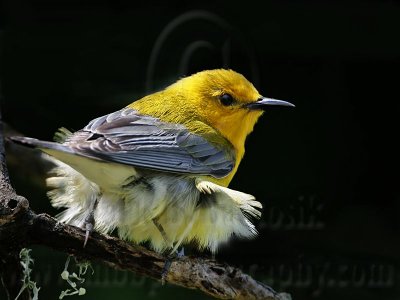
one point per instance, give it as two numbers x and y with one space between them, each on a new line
165 270
89 226
90 221
178 255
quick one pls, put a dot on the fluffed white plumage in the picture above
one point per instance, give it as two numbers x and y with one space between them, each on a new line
190 209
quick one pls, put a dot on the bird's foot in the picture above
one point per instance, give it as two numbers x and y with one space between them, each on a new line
88 226
180 253
170 258
90 221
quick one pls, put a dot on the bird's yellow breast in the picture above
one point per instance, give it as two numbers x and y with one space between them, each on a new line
236 131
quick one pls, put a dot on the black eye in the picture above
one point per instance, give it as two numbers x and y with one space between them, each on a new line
226 99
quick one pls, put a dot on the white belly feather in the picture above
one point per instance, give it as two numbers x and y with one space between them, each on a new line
189 209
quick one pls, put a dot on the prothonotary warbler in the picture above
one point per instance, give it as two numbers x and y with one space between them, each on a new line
158 169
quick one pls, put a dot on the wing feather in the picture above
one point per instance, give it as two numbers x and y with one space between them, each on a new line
130 138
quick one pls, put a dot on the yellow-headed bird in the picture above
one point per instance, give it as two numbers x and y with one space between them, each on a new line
158 169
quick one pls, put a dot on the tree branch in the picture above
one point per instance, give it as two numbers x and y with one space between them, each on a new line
21 227
11 206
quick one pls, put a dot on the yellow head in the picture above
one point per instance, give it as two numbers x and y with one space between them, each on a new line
222 99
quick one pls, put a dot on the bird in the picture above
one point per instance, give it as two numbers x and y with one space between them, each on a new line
158 170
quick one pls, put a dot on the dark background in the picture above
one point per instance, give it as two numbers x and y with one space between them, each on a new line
326 172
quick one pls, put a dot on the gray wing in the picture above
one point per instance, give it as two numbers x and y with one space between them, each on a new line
128 137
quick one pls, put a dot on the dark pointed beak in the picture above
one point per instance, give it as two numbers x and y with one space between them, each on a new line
264 102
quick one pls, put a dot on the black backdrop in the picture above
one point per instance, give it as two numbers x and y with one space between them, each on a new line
326 171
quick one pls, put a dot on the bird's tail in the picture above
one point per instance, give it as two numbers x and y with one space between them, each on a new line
43 145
